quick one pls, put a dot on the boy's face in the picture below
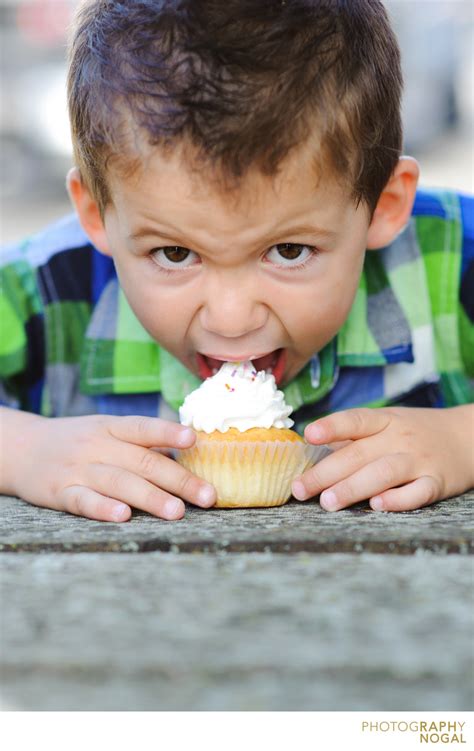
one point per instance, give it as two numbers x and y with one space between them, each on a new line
269 272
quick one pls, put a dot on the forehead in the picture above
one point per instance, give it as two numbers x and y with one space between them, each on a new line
178 180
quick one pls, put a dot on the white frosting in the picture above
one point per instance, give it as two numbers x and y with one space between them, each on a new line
236 397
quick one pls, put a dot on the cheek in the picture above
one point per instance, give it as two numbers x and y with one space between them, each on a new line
314 314
165 312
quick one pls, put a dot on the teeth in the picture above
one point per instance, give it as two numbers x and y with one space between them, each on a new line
268 371
214 371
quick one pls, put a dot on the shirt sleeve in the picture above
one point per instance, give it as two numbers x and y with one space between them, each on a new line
466 301
22 331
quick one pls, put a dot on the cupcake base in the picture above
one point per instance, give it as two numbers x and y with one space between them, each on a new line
250 473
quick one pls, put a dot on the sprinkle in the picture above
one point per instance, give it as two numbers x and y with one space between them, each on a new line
234 373
229 388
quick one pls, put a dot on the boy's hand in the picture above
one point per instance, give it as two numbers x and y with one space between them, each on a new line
398 457
100 466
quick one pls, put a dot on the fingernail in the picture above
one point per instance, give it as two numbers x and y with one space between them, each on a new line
119 512
185 437
377 503
299 490
206 495
173 508
328 500
314 433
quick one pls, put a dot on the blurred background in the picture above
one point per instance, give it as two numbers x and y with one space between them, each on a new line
436 37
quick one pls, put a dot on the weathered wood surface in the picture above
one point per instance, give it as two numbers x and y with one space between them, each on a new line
258 631
445 527
279 609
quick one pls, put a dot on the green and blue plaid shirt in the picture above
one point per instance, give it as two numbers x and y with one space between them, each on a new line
71 345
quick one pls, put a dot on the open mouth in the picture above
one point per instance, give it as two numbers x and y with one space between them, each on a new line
273 362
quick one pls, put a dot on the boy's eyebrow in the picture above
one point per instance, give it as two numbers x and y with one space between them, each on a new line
295 230
302 229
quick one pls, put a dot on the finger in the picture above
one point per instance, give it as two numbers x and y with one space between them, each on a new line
337 445
376 477
421 492
164 451
82 501
125 486
151 432
333 468
347 425
167 474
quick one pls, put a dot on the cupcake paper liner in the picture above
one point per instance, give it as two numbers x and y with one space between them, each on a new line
250 473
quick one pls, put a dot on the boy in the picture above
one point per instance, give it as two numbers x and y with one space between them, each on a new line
240 163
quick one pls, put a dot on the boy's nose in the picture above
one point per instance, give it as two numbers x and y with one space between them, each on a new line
232 311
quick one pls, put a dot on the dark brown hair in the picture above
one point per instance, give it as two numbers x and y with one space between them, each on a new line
242 81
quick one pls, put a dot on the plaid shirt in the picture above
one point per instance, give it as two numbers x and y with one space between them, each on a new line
71 345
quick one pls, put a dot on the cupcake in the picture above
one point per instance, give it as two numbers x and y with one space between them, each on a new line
245 446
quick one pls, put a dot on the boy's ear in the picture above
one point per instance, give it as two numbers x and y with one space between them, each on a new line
394 206
87 211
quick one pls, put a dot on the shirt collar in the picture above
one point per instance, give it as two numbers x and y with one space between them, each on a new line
119 356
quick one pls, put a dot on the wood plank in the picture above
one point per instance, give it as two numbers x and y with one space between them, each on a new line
445 527
237 632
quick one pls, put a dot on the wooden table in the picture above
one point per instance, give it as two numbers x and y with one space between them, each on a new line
290 608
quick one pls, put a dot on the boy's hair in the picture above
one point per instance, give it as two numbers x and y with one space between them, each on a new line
242 81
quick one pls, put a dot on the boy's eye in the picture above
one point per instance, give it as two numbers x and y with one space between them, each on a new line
290 254
174 257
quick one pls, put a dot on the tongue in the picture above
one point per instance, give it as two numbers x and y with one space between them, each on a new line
268 361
